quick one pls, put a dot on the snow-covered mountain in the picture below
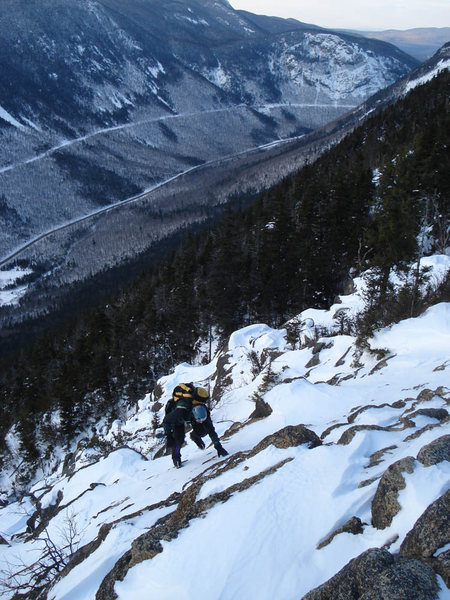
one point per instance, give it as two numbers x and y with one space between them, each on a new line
103 99
336 453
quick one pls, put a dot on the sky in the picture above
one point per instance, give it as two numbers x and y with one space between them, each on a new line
354 14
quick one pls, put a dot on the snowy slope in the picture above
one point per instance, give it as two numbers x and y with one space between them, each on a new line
248 526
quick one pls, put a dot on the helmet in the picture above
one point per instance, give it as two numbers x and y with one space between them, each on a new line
199 413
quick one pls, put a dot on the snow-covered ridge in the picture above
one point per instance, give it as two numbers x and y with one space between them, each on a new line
442 65
331 420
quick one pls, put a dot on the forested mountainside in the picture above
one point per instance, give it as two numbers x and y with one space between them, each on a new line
377 200
81 264
104 100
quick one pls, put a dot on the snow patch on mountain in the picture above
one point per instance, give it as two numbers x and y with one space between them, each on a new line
4 114
10 289
442 65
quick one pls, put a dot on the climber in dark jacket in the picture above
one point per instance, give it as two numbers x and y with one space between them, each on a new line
188 405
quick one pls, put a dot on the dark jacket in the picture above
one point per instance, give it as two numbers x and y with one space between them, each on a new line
179 411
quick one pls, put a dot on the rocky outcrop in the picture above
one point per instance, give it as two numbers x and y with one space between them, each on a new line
262 409
377 457
42 516
352 417
222 376
385 504
353 525
292 435
431 530
350 433
435 452
378 575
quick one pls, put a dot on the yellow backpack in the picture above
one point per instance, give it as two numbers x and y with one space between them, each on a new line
201 396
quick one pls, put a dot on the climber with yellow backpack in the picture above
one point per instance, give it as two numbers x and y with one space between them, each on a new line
189 404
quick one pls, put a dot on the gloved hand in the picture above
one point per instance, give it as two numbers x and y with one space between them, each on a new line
176 456
198 440
220 449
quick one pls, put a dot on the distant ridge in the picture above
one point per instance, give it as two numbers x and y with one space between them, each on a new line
420 42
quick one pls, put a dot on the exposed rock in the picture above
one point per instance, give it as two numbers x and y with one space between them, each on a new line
435 452
399 404
434 413
377 575
3 542
385 504
367 482
426 395
43 516
233 429
353 525
334 380
341 361
292 435
328 430
316 349
315 360
421 431
380 365
431 531
407 422
351 418
222 376
405 580
158 392
319 346
69 464
441 564
156 406
350 433
82 553
377 456
352 580
388 543
442 367
262 409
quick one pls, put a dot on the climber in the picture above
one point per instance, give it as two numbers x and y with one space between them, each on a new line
189 405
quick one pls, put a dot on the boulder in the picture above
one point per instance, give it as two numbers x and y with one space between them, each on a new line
352 580
262 409
353 525
292 435
435 452
378 575
385 504
406 579
441 564
350 433
431 531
